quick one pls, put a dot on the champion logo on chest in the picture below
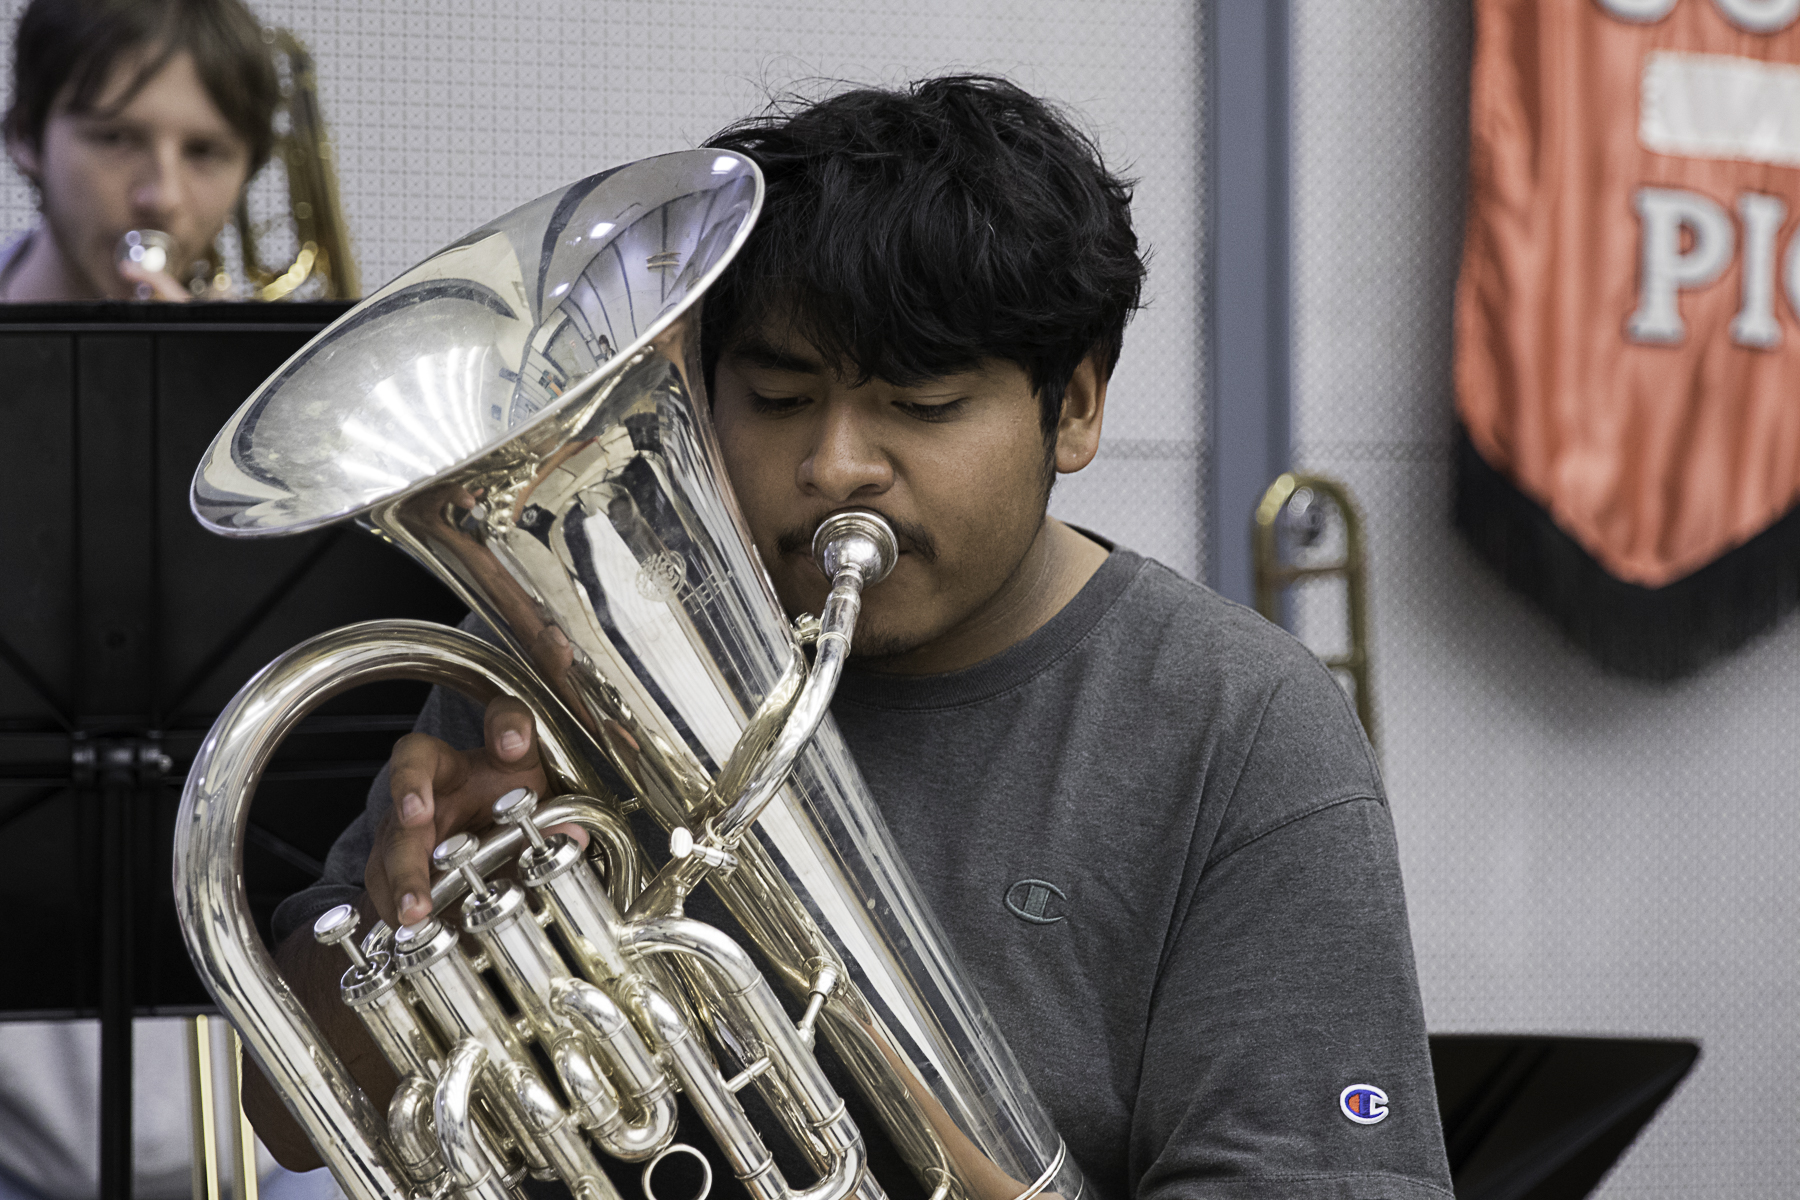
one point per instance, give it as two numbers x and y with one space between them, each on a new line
1037 901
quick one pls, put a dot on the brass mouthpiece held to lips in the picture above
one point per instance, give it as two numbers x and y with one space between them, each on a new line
858 540
151 249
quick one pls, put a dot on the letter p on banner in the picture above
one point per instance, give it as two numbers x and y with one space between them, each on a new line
1666 267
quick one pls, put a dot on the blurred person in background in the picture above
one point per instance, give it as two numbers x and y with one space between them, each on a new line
133 115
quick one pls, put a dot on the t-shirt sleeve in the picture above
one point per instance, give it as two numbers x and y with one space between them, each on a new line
447 715
1288 982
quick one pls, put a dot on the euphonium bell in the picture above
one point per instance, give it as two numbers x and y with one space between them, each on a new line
525 413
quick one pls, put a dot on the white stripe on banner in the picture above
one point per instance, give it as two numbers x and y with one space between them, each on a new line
1719 106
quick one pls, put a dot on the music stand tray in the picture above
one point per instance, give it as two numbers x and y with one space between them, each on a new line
1545 1118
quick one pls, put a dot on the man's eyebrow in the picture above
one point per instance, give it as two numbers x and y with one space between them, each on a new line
755 352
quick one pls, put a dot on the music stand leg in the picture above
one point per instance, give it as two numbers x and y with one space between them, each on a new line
118 806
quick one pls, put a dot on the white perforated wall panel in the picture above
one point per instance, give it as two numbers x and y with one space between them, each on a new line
1583 854
446 114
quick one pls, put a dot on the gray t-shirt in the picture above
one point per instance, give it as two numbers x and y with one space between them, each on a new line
1157 838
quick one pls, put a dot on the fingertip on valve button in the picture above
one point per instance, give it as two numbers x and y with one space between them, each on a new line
418 932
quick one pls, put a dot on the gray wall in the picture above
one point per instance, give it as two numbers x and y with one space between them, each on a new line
1582 854
444 115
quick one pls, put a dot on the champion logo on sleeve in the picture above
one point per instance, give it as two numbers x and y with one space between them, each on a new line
1364 1103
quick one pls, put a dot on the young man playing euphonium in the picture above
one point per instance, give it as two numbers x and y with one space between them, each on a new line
1148 820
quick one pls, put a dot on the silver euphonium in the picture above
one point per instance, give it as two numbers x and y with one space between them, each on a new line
524 412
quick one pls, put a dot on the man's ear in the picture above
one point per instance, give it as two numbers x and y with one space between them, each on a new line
1083 407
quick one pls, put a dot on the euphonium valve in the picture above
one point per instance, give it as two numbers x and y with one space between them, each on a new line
619 1047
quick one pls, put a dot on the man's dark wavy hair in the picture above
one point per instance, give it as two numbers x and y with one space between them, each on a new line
911 233
67 48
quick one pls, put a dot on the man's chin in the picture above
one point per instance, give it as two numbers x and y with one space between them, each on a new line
874 639
872 647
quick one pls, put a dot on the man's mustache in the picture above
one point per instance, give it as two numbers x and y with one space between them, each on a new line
913 539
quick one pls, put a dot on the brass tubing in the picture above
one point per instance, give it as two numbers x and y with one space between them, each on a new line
409 1123
202 1109
221 936
1273 576
597 1015
471 1167
243 1139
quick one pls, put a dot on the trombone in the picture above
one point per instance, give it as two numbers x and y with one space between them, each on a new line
215 1093
314 205
1294 515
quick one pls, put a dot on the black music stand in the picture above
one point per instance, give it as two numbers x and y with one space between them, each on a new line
124 628
1545 1118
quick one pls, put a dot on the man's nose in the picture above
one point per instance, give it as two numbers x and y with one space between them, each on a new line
157 192
847 461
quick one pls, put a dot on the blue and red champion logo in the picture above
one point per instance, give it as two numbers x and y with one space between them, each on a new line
1364 1103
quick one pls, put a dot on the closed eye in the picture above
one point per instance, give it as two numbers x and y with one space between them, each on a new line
776 406
209 152
109 137
934 412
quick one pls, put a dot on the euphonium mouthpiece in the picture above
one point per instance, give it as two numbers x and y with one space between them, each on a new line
858 540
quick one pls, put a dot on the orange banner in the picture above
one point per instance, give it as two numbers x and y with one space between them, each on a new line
1628 316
